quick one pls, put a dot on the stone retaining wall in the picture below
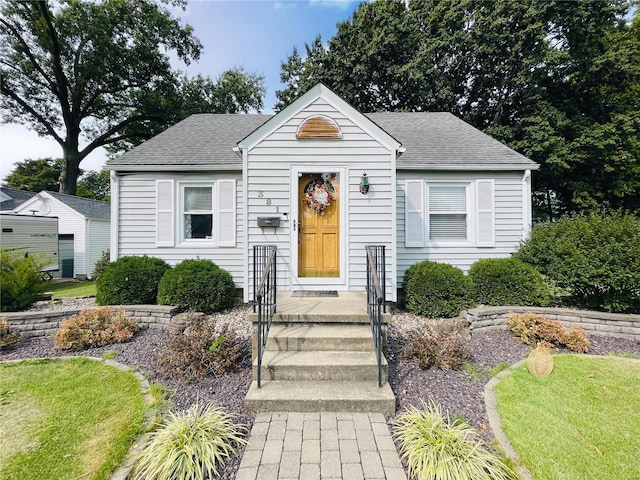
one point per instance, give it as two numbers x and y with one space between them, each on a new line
46 322
595 323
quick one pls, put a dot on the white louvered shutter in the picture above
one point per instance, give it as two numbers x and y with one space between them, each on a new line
485 213
414 213
226 213
165 218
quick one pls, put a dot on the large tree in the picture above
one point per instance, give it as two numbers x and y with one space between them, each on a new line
97 71
557 81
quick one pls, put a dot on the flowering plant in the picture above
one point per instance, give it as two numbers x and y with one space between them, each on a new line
318 196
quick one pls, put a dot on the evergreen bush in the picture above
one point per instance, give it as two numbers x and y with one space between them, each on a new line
437 290
103 262
197 285
130 281
595 257
508 281
21 282
94 327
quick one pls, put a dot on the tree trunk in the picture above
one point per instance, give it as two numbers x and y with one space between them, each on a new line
70 171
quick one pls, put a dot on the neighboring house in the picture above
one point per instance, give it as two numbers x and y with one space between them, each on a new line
211 186
10 198
83 227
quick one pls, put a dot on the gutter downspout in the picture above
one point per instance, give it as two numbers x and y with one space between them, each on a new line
526 204
115 216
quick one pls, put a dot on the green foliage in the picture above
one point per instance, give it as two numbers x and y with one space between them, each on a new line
21 280
596 257
565 93
94 327
436 447
437 289
8 336
130 281
198 285
436 347
96 185
203 349
191 445
508 281
103 262
533 329
36 175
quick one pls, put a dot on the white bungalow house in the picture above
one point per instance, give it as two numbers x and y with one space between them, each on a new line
83 229
320 181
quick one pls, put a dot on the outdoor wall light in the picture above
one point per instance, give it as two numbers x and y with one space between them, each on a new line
364 184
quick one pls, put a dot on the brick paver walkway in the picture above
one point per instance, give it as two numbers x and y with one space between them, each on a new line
325 445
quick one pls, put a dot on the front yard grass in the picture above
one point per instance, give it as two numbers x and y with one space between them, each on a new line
66 418
72 289
580 422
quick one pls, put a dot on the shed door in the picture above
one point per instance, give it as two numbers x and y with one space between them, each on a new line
319 225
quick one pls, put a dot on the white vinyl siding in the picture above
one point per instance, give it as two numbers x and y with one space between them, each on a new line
502 217
137 226
368 219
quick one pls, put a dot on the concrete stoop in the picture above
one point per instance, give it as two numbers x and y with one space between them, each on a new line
315 367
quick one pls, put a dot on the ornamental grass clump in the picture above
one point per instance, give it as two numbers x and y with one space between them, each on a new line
8 336
436 447
190 445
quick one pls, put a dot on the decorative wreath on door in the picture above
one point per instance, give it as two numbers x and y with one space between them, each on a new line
319 194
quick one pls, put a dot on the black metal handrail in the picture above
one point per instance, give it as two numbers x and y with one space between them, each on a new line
376 298
264 291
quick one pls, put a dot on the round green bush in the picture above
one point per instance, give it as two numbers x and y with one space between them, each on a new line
508 281
594 257
198 285
437 290
130 281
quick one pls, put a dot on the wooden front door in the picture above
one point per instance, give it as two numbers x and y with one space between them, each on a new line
319 225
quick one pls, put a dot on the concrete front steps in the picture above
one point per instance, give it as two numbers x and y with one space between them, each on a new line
313 367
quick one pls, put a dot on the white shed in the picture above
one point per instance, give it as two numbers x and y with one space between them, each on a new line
83 228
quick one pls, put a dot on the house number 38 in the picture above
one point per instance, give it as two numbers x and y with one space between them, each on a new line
261 195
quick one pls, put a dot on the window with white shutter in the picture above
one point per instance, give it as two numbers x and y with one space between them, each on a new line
165 218
485 216
414 221
226 213
447 212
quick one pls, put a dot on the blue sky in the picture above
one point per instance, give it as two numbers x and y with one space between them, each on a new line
257 35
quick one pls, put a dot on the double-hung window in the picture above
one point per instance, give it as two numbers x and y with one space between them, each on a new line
447 212
197 211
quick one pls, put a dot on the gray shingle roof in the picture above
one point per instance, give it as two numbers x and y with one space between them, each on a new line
17 197
431 140
201 139
86 206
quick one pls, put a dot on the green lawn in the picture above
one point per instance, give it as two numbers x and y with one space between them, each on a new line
66 418
71 289
581 422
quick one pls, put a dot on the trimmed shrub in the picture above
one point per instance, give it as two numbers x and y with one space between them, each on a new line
94 327
130 281
508 281
197 285
438 447
437 290
435 347
8 336
532 329
21 282
190 445
103 262
202 350
595 257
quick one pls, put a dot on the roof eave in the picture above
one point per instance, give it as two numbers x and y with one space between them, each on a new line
471 166
173 168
